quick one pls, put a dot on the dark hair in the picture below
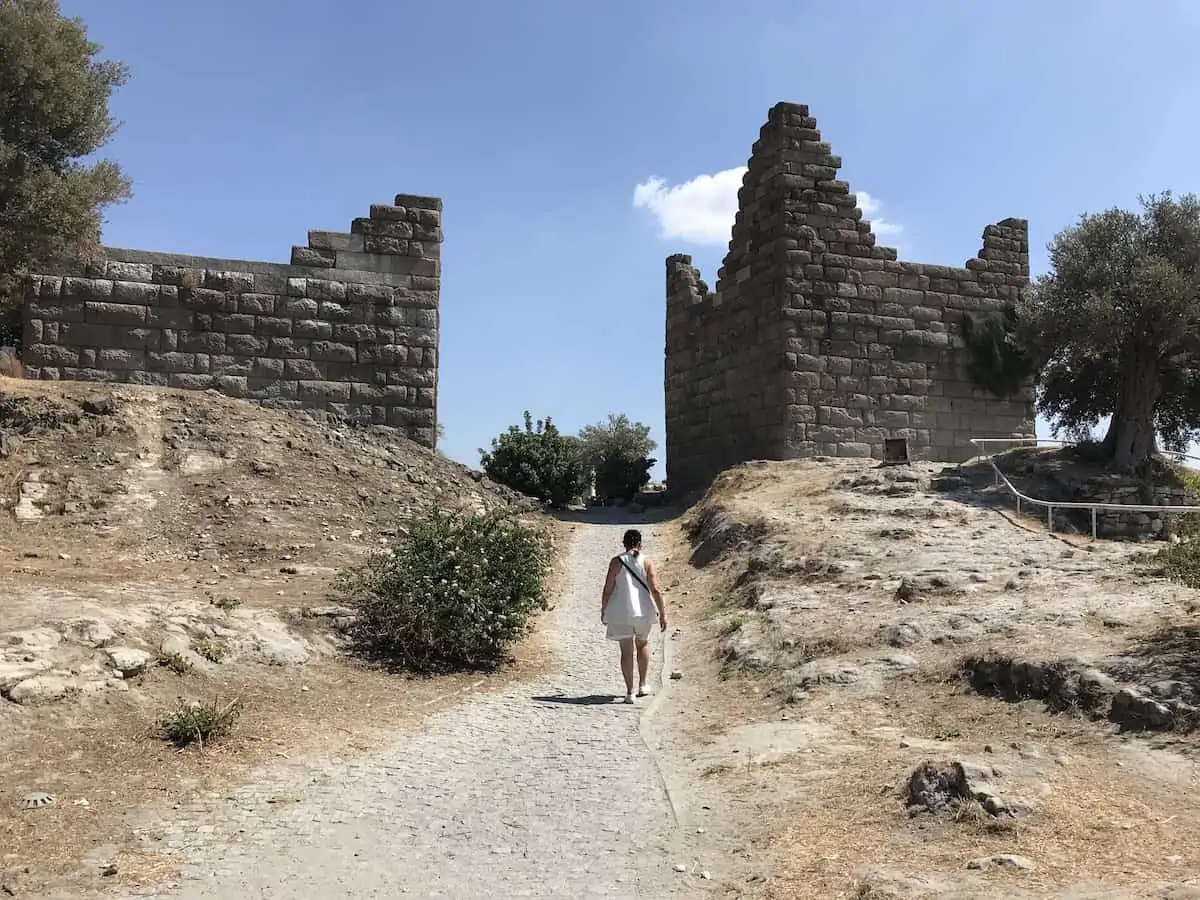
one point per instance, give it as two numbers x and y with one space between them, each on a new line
633 538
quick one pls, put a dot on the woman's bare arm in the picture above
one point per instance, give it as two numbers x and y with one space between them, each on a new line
610 582
656 591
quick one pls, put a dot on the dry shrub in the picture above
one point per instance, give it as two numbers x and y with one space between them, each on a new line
454 593
199 723
10 366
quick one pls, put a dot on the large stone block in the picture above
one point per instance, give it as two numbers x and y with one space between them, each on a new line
55 310
201 342
333 351
230 282
232 366
298 307
114 313
50 355
312 328
171 362
314 258
323 290
78 288
324 391
396 265
246 345
268 367
128 272
125 360
188 277
140 293
207 300
271 388
138 338
333 311
302 369
355 334
335 240
235 323
289 348
256 304
274 327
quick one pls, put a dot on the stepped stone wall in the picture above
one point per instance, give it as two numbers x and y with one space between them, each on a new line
818 341
350 326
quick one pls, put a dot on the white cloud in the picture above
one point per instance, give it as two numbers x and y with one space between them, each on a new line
701 211
870 206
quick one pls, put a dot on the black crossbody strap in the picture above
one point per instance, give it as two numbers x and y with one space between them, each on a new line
636 576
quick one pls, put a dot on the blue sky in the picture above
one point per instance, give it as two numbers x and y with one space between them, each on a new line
248 123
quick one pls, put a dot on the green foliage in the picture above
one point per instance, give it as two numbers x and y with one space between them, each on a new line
196 723
1181 562
996 361
1115 327
618 453
620 477
538 461
452 593
53 113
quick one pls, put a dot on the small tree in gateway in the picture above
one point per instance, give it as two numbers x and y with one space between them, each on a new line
538 461
617 452
53 113
1116 328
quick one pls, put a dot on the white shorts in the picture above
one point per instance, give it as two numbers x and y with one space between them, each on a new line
638 628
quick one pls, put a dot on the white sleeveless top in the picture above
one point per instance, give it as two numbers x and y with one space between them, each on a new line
630 602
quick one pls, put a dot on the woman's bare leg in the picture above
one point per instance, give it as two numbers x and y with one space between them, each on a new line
643 663
627 661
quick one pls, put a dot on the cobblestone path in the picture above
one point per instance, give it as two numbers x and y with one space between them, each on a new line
503 795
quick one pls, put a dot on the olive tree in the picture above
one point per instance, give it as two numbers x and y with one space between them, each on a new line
1115 328
54 95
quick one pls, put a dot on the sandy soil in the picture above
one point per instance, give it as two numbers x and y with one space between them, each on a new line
851 609
199 537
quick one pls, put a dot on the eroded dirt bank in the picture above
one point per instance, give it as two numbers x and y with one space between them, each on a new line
165 545
931 699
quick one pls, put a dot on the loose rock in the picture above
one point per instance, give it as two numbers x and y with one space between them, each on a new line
129 661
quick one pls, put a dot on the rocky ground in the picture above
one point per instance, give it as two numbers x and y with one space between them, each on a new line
160 546
939 699
882 684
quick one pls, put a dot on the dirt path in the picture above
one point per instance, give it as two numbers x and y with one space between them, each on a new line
513 793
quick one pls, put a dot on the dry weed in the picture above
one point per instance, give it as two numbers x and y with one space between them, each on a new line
11 367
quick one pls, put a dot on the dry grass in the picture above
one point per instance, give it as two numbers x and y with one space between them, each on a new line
108 750
10 367
1120 815
1099 822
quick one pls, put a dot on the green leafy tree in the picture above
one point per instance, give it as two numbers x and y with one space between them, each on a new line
54 96
1115 326
537 460
618 452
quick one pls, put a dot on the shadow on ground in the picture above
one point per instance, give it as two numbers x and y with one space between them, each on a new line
1171 653
586 700
612 515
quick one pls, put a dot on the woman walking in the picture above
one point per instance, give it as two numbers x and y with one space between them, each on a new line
629 606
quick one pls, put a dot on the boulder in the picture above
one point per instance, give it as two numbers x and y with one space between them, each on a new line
39 689
12 672
129 661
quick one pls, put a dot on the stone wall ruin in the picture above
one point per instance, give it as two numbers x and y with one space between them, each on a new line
817 341
350 326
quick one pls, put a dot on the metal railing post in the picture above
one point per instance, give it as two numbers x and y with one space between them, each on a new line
1094 535
1050 517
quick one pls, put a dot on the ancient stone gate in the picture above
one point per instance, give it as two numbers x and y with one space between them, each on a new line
819 342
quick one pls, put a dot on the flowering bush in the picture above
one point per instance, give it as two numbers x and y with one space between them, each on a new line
453 592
